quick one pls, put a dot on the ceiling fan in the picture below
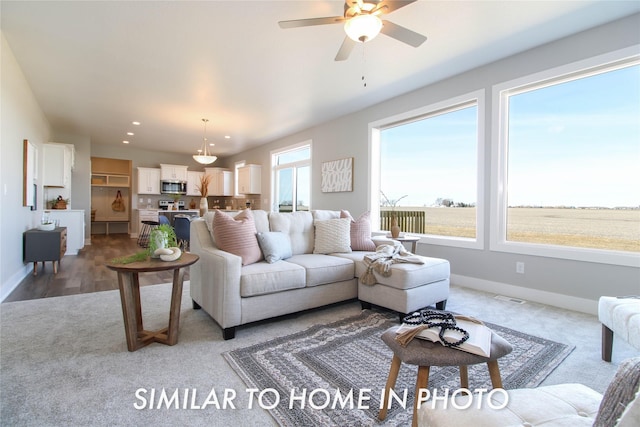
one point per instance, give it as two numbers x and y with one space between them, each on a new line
362 23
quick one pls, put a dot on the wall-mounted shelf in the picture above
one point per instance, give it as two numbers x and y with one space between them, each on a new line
104 180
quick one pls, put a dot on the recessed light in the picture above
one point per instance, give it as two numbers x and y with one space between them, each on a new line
211 144
130 133
135 123
125 142
227 137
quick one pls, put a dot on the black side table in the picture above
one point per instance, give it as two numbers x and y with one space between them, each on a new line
40 245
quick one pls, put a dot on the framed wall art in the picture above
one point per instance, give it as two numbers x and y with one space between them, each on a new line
337 175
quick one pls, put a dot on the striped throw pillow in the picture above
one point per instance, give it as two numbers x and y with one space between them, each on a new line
237 235
360 232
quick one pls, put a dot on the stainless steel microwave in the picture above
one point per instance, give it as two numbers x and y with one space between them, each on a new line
173 187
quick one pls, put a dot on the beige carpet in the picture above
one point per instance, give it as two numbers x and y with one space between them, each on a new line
63 360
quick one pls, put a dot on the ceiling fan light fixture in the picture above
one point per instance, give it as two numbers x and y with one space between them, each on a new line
362 28
203 157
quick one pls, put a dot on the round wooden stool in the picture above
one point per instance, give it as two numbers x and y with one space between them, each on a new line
426 354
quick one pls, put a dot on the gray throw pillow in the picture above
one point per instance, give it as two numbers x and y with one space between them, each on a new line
275 246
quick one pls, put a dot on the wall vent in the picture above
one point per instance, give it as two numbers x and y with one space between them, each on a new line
510 299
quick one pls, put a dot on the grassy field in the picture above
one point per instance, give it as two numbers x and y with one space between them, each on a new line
588 228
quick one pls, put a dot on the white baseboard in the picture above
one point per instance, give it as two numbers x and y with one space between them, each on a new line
568 302
13 282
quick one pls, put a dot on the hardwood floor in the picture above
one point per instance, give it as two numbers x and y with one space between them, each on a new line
85 272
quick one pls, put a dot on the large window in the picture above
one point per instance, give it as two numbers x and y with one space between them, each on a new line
292 178
568 158
430 171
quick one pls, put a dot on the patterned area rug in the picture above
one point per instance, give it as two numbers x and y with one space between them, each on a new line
325 365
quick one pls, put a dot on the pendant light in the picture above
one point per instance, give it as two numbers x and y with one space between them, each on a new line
203 156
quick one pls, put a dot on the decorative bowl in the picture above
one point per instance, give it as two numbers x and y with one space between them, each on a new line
47 227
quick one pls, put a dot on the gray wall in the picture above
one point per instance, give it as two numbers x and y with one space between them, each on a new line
21 118
579 284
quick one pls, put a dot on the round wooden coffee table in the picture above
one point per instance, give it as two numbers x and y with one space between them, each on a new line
129 285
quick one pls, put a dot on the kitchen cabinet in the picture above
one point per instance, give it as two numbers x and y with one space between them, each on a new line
146 215
249 179
173 172
221 183
58 164
193 182
148 180
73 221
42 246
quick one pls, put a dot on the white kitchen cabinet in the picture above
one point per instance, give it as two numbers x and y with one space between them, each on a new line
148 180
58 164
193 182
249 179
73 219
221 183
146 215
173 172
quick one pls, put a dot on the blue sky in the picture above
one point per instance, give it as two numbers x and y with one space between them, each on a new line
573 144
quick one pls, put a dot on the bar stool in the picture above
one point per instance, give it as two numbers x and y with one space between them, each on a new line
182 226
145 232
426 354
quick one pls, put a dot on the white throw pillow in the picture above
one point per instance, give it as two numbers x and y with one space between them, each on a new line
332 236
275 246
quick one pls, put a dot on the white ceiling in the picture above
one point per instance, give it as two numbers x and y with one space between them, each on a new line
97 66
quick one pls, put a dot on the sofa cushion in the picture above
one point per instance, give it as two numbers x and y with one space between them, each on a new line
299 227
556 405
360 231
322 269
332 235
275 246
237 235
264 278
408 275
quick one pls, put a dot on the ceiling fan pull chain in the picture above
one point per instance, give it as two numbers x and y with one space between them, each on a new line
364 66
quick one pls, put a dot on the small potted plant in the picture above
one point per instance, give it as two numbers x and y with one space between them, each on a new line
176 198
163 236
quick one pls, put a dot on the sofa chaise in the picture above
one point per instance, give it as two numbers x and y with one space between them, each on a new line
259 265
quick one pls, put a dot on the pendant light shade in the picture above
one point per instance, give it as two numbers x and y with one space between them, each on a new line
203 156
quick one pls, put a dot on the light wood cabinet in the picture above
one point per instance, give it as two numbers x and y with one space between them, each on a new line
148 180
173 172
105 180
221 183
249 179
58 163
193 182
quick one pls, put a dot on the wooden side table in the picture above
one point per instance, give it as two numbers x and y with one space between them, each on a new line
129 285
408 239
42 246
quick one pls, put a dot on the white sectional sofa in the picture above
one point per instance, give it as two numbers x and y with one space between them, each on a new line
317 270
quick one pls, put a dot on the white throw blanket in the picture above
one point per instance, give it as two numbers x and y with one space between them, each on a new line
382 260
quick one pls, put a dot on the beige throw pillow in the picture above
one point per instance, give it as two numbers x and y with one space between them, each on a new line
237 235
332 236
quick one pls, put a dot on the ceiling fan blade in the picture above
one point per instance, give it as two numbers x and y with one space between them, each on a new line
345 49
390 6
311 21
402 34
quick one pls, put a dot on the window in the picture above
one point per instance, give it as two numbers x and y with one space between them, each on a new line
568 156
292 178
427 171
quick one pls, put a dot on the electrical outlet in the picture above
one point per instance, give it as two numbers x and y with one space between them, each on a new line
520 267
